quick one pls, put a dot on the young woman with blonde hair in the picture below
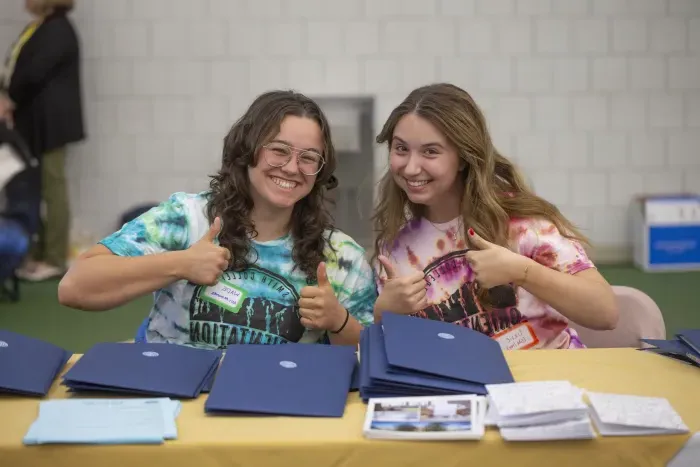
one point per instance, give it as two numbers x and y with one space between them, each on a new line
462 238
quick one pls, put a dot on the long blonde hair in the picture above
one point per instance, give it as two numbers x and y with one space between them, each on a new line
494 189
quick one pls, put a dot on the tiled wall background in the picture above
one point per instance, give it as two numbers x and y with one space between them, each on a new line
597 100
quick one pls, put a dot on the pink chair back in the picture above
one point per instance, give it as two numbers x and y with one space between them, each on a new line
640 318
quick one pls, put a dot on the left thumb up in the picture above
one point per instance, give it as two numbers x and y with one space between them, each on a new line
322 275
478 242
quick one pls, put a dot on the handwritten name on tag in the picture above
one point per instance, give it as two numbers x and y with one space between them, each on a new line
224 294
521 336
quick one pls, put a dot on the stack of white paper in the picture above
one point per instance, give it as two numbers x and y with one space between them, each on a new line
104 421
426 417
623 415
539 411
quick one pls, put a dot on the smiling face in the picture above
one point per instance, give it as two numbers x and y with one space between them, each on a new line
427 167
279 188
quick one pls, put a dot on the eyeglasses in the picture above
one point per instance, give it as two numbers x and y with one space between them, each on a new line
279 155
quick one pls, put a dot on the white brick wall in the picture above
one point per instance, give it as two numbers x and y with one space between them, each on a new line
598 100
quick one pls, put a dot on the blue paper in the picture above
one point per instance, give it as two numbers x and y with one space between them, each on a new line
104 421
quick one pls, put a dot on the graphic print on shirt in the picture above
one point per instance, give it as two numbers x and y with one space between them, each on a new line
256 306
503 321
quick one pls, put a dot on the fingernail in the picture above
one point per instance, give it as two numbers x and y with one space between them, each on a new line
471 232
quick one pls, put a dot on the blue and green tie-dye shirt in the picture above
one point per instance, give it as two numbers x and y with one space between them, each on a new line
257 306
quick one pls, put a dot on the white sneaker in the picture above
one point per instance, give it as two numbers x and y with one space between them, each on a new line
40 273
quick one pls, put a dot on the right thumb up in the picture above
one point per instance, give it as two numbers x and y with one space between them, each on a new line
388 267
214 231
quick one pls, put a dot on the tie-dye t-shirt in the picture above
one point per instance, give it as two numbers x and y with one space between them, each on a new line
257 306
517 319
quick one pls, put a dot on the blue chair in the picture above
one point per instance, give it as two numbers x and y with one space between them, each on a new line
141 331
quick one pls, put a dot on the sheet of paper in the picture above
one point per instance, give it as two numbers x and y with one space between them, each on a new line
171 409
105 421
527 398
620 412
568 430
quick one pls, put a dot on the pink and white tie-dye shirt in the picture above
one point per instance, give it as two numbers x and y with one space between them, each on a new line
518 319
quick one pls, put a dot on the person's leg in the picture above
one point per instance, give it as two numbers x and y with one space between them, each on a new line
51 251
57 230
35 258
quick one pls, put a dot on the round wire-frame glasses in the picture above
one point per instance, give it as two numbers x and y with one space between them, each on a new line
279 154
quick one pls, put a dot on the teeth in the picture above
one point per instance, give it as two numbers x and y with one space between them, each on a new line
417 182
286 184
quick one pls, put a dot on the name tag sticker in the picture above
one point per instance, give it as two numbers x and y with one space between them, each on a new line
224 294
519 337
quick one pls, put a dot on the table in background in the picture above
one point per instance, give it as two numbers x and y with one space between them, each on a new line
205 441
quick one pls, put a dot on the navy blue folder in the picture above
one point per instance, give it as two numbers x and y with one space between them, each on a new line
683 348
355 380
363 377
423 346
691 339
165 370
29 366
412 382
370 388
293 379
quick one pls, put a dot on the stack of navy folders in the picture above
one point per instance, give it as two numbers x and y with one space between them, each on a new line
306 380
29 366
685 347
162 370
407 356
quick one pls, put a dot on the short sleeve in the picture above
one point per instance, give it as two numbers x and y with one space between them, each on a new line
353 281
541 240
162 228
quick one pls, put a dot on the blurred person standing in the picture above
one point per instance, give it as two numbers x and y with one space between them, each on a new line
40 97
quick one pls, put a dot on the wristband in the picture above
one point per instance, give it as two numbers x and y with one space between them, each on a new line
347 317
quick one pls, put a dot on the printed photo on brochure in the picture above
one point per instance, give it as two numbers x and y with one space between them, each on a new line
416 415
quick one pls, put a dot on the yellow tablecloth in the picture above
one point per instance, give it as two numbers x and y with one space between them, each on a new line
206 441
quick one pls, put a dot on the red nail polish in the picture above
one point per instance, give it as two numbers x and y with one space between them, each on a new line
471 232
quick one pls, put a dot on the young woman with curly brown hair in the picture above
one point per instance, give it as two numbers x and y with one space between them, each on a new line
255 259
462 238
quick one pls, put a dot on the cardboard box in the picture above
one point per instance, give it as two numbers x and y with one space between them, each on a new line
666 233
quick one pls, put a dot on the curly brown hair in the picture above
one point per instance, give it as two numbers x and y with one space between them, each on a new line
230 198
494 189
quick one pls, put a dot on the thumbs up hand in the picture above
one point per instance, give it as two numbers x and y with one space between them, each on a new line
492 264
318 306
205 260
402 294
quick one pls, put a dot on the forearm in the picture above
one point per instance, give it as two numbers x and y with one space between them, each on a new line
107 281
583 300
350 335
